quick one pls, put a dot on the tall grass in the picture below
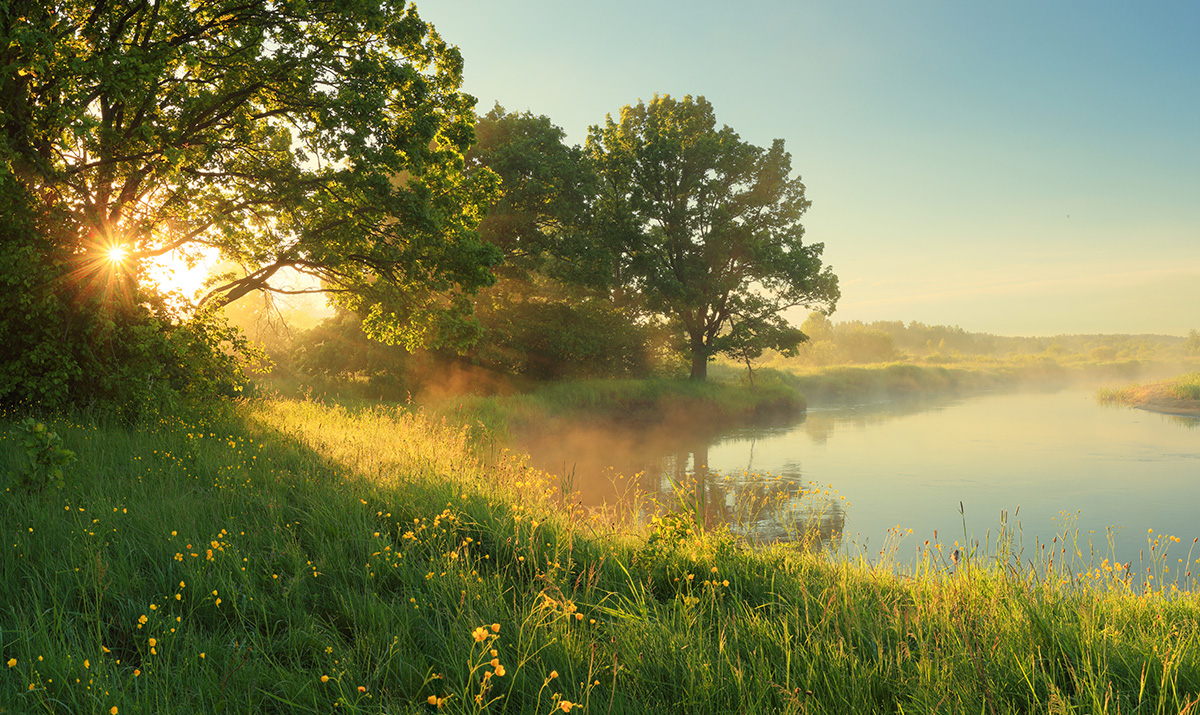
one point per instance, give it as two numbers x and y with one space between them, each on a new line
1185 388
295 557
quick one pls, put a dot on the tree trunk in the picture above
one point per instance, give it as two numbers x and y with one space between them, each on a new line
699 365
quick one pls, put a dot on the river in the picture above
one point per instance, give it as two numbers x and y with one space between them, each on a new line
1051 461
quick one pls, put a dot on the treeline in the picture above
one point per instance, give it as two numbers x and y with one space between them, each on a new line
858 342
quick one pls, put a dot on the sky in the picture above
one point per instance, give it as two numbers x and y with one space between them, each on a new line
1016 168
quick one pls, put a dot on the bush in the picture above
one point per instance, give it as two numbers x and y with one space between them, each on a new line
77 332
45 454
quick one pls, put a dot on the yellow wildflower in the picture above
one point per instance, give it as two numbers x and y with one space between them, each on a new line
480 634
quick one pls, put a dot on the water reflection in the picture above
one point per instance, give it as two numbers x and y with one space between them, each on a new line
902 463
634 471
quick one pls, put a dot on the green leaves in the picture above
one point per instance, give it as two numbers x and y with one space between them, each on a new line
324 136
45 456
706 227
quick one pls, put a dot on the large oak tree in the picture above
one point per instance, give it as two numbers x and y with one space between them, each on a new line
324 136
706 228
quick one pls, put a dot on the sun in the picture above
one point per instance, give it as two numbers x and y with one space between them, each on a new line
117 254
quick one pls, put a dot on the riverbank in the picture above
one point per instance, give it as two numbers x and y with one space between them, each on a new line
632 403
295 556
1180 396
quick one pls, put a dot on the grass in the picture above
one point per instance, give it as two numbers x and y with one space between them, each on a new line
629 400
289 556
1179 396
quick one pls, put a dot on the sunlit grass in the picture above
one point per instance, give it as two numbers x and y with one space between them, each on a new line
1180 395
292 556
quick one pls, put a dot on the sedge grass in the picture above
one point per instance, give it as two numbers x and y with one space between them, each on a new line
291 556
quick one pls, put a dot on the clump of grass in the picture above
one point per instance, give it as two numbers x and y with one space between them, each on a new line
292 556
1186 387
1181 394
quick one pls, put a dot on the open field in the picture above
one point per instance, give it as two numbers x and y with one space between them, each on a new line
291 556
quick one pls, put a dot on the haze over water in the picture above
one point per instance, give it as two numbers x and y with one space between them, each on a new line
910 464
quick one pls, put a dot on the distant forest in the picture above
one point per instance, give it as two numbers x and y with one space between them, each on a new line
856 342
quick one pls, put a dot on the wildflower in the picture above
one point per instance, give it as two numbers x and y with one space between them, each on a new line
324 678
480 634
153 642
432 700
86 664
500 670
12 662
136 672
553 674
113 710
202 656
495 628
362 689
566 705
153 607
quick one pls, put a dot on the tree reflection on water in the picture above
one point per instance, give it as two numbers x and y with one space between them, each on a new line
631 473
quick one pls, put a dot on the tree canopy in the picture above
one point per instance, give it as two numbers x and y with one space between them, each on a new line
706 228
324 136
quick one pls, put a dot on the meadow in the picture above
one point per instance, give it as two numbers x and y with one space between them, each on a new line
277 555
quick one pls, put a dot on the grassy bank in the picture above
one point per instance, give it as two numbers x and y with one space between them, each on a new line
291 557
905 379
1180 396
647 401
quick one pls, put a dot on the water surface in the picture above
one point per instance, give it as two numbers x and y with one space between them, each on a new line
1060 457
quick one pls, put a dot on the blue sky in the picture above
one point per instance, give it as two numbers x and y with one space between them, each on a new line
1025 168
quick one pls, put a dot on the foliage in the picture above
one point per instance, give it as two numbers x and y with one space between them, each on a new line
338 349
546 317
546 187
46 456
321 136
85 334
705 227
544 329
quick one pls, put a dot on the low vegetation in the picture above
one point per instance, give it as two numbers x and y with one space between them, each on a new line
291 556
1180 396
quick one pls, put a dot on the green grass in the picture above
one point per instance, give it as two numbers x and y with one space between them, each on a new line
629 400
1185 387
293 557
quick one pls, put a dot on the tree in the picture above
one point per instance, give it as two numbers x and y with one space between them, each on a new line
541 211
324 136
706 227
548 316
